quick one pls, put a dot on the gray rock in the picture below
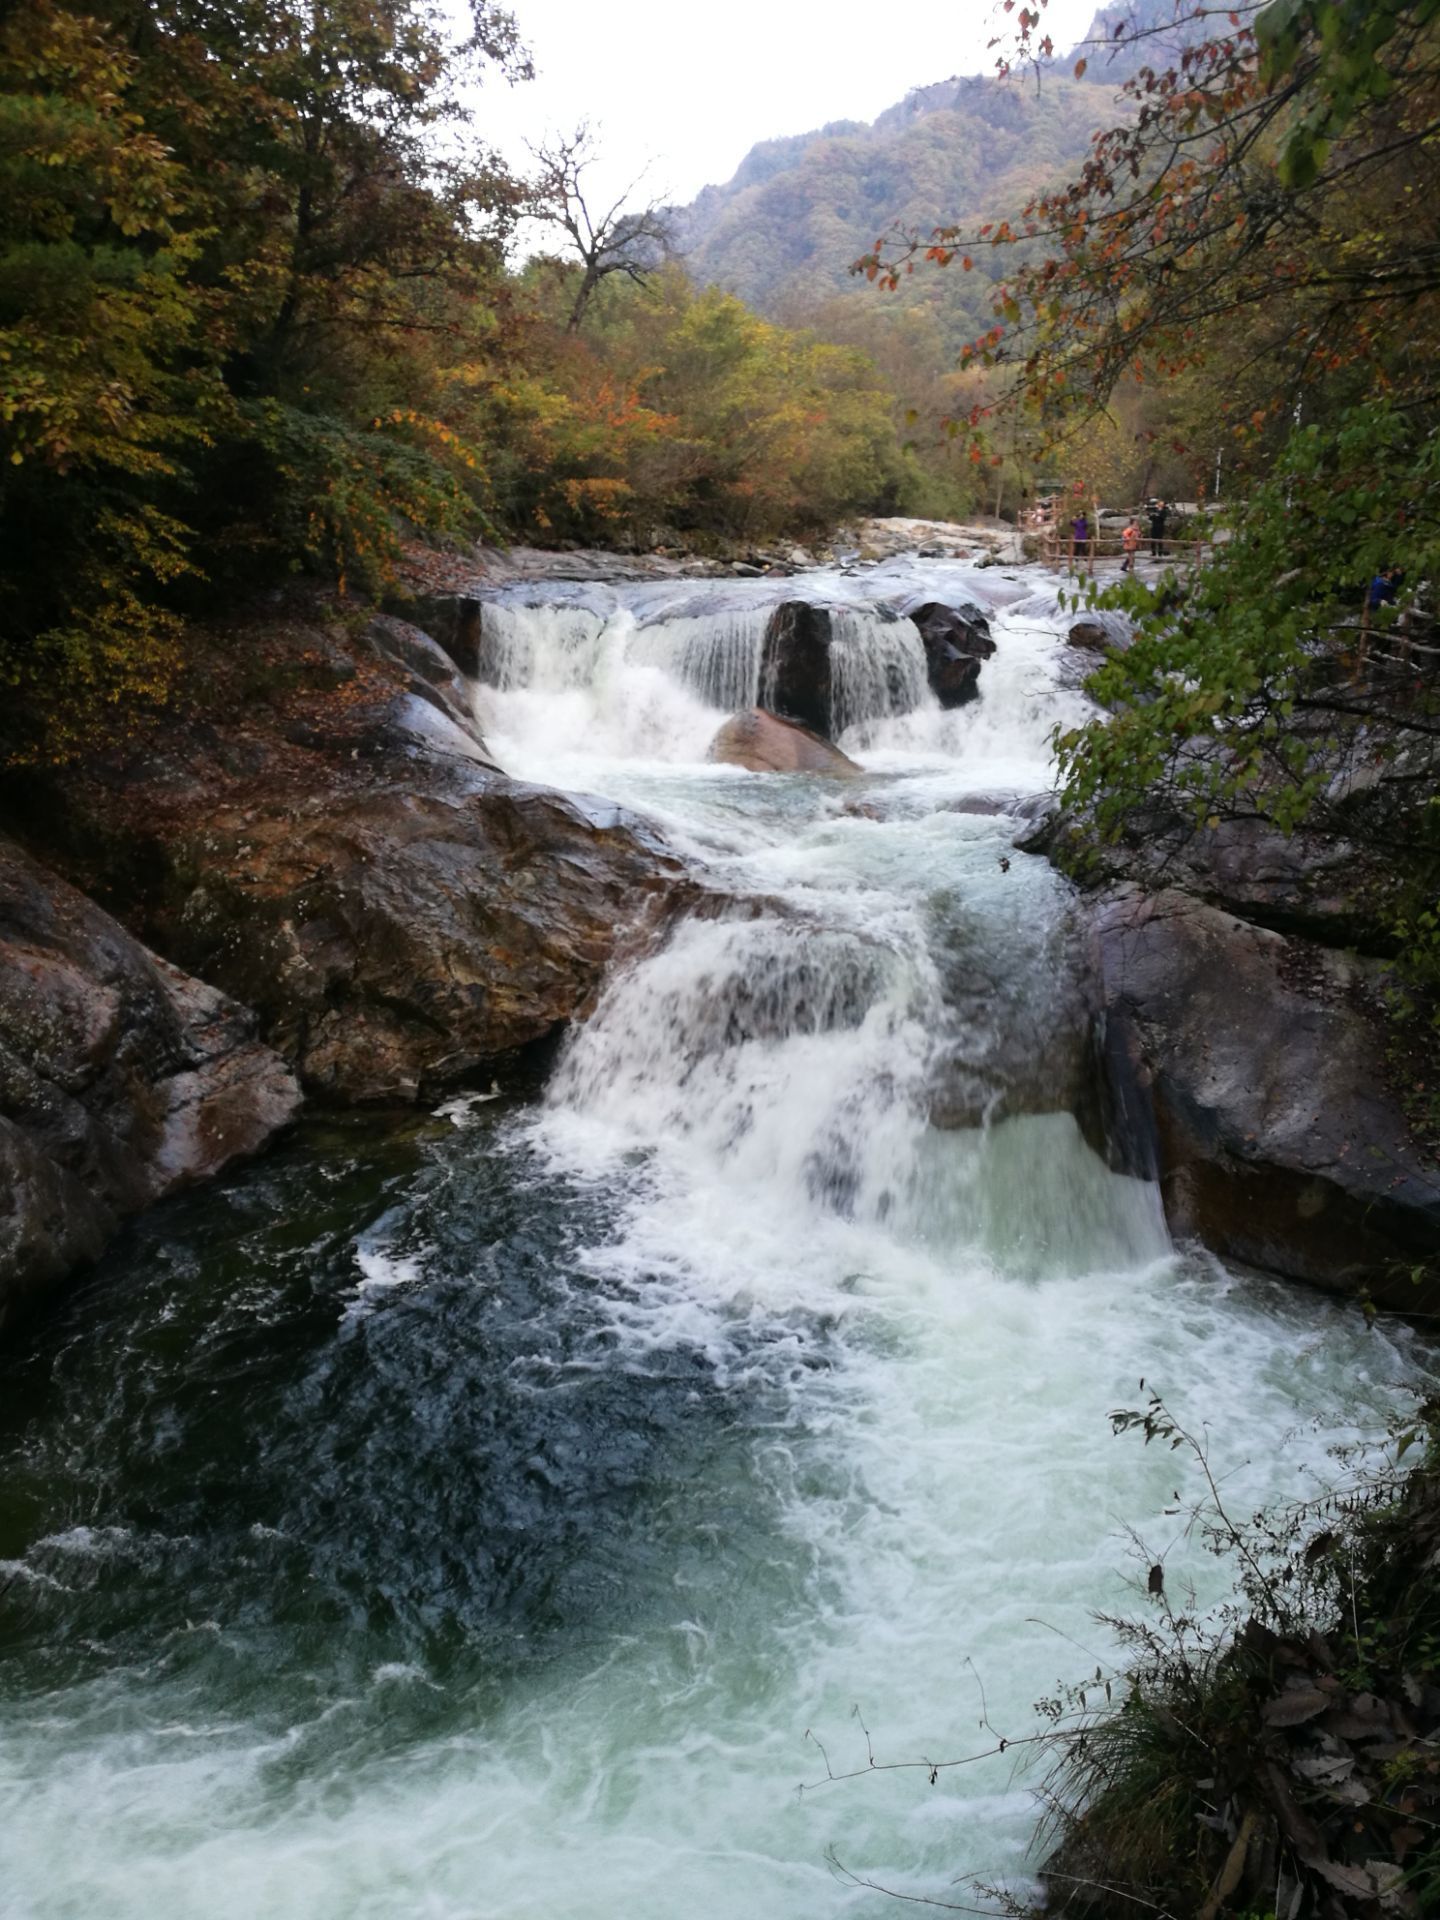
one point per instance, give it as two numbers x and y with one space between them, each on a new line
1248 1072
431 672
121 1080
449 621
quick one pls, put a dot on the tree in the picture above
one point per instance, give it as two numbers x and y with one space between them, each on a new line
629 241
228 244
1257 240
108 385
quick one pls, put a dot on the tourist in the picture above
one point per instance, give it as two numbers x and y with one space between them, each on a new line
1080 535
1382 589
1130 543
1158 518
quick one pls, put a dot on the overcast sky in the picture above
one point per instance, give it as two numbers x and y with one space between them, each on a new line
689 88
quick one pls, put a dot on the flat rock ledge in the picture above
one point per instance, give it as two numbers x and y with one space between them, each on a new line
122 1079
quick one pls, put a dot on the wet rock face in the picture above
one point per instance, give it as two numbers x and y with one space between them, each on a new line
121 1080
766 743
956 640
1248 1071
796 675
1090 635
397 935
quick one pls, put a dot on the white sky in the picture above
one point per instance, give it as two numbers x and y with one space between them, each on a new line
688 89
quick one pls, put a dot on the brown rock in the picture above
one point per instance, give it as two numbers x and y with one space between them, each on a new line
1088 634
395 937
766 743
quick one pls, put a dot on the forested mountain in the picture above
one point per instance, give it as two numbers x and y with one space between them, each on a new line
783 233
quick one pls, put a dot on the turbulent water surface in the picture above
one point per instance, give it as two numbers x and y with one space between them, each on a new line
495 1515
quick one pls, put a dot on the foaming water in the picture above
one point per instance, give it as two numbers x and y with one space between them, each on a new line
489 1517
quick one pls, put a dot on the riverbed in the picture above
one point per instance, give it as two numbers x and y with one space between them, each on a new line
520 1510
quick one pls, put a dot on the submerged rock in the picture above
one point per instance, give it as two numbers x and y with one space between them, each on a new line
1018 1039
767 743
1248 1072
121 1080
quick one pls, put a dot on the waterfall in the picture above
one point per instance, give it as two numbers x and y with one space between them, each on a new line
878 668
490 1515
548 649
863 665
716 655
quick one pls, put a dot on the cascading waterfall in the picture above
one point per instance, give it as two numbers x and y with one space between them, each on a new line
647 680
474 1520
549 649
879 670
717 656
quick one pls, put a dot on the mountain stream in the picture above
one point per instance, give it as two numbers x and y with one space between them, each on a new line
502 1513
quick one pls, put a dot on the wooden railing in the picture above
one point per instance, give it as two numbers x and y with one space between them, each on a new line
1058 547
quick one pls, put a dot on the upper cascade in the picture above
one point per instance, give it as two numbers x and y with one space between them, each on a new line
647 675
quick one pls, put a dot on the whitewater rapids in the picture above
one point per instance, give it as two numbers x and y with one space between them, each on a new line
497 1521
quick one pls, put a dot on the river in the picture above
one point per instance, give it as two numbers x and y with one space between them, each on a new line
493 1513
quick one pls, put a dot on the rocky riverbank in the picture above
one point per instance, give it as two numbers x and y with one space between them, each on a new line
364 906
1249 1054
321 836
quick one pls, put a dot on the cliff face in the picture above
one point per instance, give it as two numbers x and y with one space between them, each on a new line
121 1080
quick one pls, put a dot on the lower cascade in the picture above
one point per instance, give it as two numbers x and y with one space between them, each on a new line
504 1516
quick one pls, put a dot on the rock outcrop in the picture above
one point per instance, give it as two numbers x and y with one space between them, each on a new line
767 743
121 1080
433 673
796 675
1248 1071
396 935
339 853
956 641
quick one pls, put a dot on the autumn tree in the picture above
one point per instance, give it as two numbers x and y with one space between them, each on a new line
229 238
1258 238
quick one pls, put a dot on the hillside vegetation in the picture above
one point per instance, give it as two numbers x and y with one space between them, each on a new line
256 318
785 231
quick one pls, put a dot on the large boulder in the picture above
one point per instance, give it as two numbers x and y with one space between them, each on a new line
767 743
796 676
340 855
121 1080
956 640
396 934
1249 1072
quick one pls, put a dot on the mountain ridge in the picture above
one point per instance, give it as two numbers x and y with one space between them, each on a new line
784 230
